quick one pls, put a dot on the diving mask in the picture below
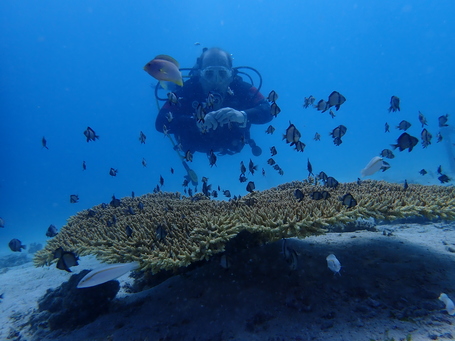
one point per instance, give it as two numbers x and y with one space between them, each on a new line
216 74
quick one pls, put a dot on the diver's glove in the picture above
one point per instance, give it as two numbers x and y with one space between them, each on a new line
210 121
228 115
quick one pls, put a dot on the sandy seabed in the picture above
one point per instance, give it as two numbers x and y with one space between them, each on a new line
388 288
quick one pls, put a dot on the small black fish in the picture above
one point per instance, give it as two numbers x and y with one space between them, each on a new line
161 181
270 130
339 131
140 206
113 172
242 178
404 125
331 182
51 231
144 162
214 194
142 137
405 141
426 138
90 134
280 171
188 156
316 195
386 128
16 245
322 106
274 109
385 166
300 146
161 232
298 194
206 189
276 167
292 134
337 141
242 168
128 231
200 113
271 161
74 198
132 194
443 120
309 167
336 99
423 171
172 170
210 100
273 151
252 167
394 104
115 202
263 172
131 211
308 101
439 170
84 166
250 187
317 137
405 185
422 119
212 158
44 142
331 113
322 176
227 193
272 97
205 179
439 137
325 195
66 260
387 153
444 178
348 200
172 98
359 182
190 192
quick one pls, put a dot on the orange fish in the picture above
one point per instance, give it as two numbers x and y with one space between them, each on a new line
165 69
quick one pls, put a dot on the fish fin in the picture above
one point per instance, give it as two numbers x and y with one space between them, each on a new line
106 273
168 58
164 85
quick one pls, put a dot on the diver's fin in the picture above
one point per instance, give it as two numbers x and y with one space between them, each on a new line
106 273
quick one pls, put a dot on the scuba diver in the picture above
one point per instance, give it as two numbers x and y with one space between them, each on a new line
214 109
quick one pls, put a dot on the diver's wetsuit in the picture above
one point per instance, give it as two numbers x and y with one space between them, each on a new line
227 139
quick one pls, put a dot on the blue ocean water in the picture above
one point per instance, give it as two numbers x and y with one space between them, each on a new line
68 65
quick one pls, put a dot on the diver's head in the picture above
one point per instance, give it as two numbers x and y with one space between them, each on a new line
215 70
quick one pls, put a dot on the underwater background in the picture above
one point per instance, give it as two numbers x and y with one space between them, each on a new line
67 65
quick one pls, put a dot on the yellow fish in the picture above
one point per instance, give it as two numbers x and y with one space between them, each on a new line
165 69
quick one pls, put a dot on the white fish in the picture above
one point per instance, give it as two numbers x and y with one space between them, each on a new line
373 166
106 273
450 307
333 264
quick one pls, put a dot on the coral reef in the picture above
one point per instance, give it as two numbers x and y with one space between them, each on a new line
168 231
67 307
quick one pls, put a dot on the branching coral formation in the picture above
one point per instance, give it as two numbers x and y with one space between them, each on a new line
168 231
